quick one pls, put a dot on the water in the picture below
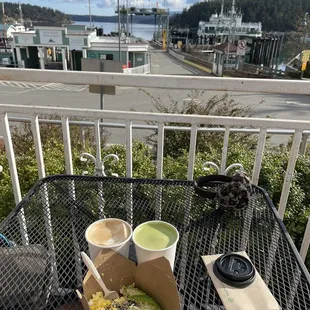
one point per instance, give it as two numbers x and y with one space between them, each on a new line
282 66
144 31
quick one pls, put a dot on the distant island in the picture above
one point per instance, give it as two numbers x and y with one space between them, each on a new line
138 19
34 15
112 19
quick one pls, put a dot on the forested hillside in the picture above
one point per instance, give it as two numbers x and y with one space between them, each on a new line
276 15
39 15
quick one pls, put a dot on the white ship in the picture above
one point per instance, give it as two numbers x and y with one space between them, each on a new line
224 25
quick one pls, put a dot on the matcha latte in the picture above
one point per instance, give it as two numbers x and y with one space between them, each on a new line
155 239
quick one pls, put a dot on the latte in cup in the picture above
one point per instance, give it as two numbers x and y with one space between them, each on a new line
108 233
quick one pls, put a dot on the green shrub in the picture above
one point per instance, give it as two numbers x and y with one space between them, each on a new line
176 141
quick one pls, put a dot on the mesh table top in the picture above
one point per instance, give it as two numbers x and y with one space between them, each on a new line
53 218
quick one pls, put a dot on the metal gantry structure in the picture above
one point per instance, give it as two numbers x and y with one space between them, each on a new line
161 20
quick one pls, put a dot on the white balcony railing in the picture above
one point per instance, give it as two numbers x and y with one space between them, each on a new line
145 69
299 130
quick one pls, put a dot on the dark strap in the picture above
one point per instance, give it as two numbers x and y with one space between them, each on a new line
205 181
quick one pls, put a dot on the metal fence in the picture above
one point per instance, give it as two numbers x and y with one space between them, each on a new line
299 130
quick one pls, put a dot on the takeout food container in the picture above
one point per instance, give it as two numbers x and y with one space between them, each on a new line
154 278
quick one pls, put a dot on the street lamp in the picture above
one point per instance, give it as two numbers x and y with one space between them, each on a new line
303 42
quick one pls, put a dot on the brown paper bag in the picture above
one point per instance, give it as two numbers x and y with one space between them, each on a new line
256 296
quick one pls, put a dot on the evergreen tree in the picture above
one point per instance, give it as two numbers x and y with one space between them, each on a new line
38 15
276 15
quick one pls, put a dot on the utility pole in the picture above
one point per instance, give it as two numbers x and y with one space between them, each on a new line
20 14
89 11
131 32
222 8
3 13
187 31
119 32
4 26
276 52
231 38
233 8
231 35
168 29
127 16
303 42
280 49
273 41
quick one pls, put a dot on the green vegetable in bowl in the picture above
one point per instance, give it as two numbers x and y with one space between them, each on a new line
143 301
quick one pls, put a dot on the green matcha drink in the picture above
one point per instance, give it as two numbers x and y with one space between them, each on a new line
155 235
155 239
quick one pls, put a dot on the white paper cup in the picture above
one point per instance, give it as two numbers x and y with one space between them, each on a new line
121 247
145 254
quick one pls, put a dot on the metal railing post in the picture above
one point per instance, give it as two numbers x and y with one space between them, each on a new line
44 196
289 172
69 170
14 176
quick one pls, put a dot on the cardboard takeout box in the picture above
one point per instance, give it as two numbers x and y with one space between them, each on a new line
154 278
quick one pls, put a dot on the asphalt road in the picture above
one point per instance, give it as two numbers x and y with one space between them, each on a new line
163 63
76 96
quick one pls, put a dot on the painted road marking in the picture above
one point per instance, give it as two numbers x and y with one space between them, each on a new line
49 86
301 104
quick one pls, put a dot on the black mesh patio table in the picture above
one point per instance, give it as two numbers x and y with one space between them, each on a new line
45 235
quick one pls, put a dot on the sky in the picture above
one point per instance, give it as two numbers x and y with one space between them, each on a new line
106 7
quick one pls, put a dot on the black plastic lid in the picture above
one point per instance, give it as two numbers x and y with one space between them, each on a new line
234 269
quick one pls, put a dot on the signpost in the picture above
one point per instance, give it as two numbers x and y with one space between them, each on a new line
305 56
99 65
240 51
241 47
304 66
305 59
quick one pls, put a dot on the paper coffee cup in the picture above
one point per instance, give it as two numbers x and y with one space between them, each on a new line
155 239
110 233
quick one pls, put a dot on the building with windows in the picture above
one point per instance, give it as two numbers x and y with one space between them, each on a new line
45 47
6 34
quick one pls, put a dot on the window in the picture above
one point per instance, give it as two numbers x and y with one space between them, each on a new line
106 56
